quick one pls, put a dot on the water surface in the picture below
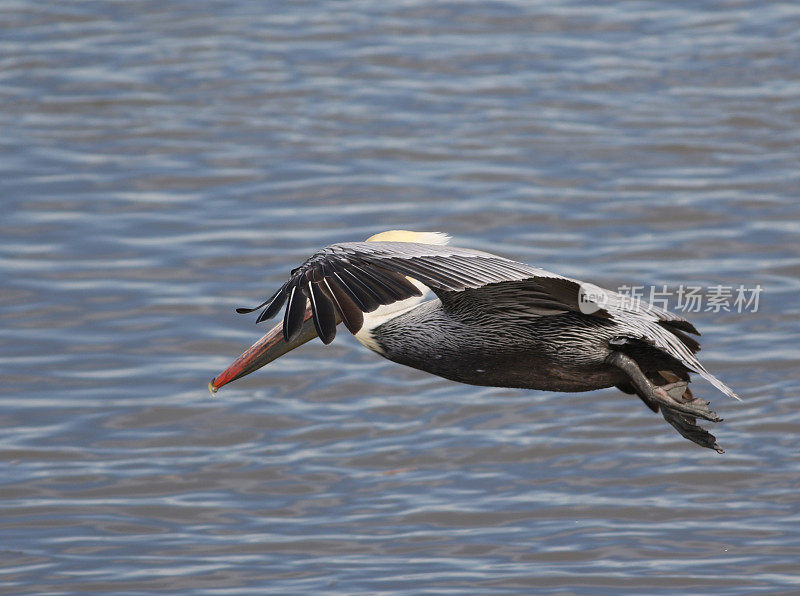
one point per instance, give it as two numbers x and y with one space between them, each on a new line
161 164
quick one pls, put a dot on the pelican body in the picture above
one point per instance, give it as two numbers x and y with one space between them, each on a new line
482 319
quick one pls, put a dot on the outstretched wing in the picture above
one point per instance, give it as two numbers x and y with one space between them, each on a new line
343 281
348 279
352 278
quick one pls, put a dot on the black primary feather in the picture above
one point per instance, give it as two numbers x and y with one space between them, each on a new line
322 310
391 283
245 311
351 314
295 311
365 295
338 281
379 290
400 281
274 306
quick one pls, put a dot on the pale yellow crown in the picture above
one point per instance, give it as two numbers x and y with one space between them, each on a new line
407 236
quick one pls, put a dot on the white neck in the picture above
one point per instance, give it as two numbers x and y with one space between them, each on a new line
382 314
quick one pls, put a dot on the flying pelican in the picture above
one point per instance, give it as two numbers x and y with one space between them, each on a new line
493 321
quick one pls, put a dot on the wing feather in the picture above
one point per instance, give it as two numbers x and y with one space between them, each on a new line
370 297
355 295
277 302
245 311
351 314
295 311
323 313
387 287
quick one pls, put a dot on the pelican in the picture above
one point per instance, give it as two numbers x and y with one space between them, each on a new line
482 319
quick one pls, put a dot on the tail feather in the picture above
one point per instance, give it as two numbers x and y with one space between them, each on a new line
675 345
700 369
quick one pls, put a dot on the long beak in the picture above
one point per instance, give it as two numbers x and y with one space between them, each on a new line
264 351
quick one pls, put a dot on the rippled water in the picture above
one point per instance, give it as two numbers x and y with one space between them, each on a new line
162 163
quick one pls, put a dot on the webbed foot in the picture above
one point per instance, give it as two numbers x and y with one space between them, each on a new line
677 404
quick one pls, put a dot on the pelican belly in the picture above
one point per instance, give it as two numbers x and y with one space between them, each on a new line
428 338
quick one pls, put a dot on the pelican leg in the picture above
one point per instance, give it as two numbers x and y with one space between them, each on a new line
667 396
678 407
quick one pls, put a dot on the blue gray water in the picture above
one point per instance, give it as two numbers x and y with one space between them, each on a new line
163 163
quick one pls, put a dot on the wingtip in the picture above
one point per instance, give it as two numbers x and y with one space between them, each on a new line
719 384
727 390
